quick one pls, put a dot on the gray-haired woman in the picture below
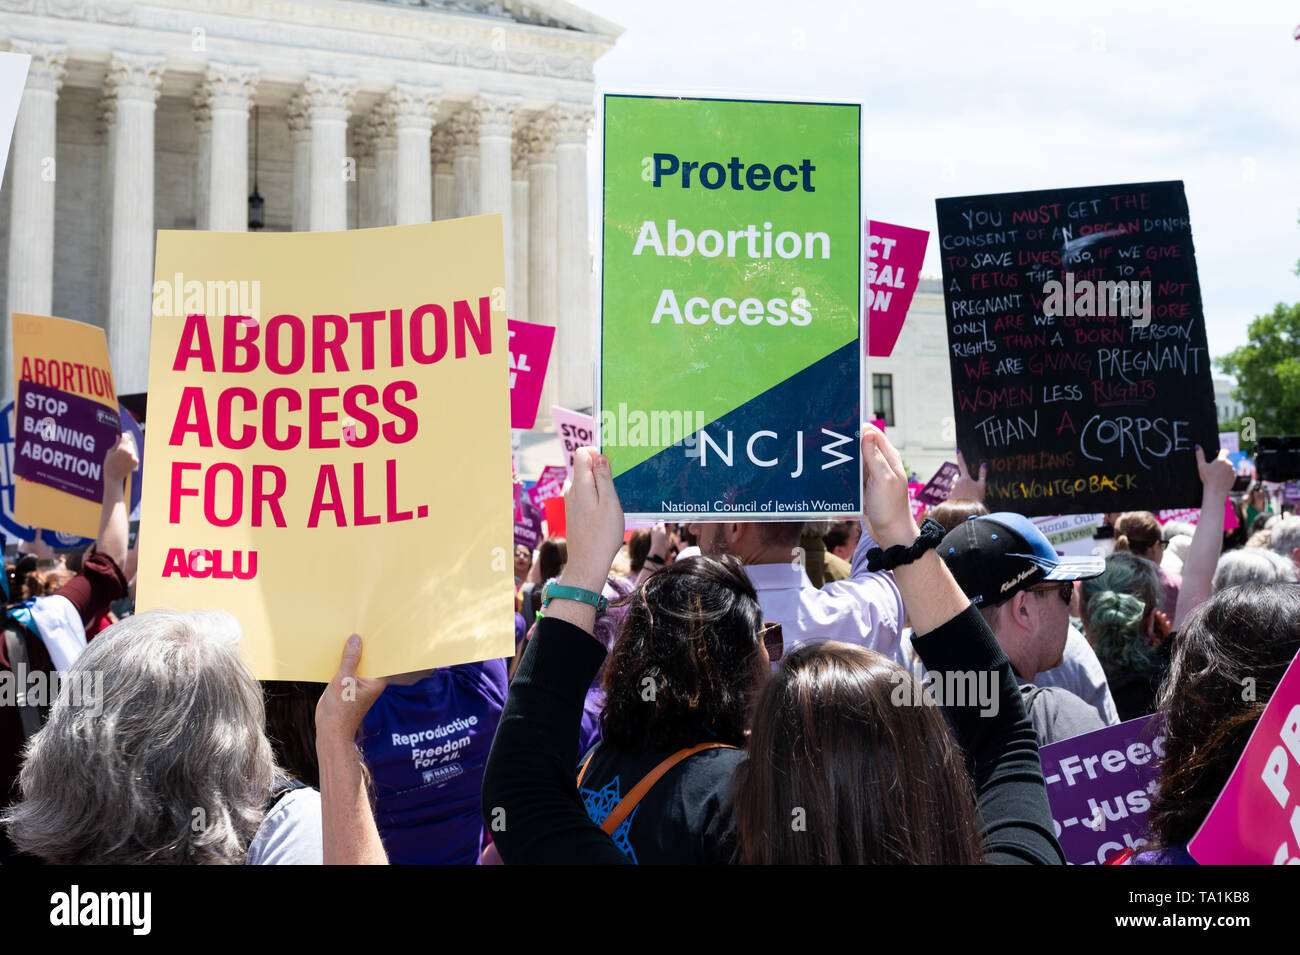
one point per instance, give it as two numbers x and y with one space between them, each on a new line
155 752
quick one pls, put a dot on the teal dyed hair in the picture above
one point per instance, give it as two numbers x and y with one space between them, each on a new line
1114 605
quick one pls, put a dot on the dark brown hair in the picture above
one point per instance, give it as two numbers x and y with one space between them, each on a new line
838 773
687 662
291 726
638 548
551 558
1241 633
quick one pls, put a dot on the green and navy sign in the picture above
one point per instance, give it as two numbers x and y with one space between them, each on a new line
730 369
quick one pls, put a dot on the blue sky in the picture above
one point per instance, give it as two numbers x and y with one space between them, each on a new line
979 97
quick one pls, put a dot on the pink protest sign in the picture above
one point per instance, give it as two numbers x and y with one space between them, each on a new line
918 506
530 351
1192 515
894 257
575 430
1256 819
1100 786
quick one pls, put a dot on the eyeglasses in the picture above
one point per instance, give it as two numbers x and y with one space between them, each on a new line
773 641
1064 588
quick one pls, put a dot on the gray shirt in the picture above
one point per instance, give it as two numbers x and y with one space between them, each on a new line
1058 714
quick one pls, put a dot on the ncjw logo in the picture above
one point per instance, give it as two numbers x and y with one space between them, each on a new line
758 445
102 908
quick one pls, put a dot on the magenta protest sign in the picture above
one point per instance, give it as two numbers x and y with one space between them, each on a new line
894 257
530 351
550 484
1100 786
1191 515
938 488
918 506
1256 819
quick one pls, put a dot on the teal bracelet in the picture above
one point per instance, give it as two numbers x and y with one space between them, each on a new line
554 590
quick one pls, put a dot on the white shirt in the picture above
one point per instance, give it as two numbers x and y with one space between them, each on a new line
866 609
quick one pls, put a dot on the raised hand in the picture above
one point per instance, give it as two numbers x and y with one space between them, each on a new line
967 488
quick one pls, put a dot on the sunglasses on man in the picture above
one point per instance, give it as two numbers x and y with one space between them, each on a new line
1065 588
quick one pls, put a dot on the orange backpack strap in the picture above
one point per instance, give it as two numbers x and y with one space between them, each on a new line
629 802
585 763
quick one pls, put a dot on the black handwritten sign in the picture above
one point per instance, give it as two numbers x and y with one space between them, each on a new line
1080 369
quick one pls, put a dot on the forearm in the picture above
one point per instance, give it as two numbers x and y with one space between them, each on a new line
530 801
114 524
350 834
929 591
999 741
1202 558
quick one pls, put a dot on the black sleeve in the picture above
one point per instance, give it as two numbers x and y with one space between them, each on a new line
530 797
1001 749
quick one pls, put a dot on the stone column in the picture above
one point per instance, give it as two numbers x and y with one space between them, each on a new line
413 108
31 210
299 116
228 92
517 293
465 161
495 125
444 178
576 335
132 82
363 148
329 100
203 174
381 127
543 231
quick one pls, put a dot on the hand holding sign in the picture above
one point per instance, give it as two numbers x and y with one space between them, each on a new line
966 488
594 520
120 460
884 490
1217 475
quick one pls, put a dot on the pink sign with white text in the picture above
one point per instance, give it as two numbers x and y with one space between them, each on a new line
1256 819
894 257
530 351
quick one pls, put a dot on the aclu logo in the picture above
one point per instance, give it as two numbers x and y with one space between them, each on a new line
75 908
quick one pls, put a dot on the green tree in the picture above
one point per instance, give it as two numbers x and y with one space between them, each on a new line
1267 370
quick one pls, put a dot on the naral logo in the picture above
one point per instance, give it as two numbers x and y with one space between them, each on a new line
769 441
102 908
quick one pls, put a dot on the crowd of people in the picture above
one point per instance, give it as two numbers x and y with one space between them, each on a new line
766 692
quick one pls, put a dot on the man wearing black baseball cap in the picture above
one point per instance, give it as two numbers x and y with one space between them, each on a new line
1022 587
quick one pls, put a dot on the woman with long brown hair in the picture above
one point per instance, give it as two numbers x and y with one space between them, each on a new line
530 778
838 772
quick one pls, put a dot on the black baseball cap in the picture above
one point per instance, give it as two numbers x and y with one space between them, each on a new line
996 556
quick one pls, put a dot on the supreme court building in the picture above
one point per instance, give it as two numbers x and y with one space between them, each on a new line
346 114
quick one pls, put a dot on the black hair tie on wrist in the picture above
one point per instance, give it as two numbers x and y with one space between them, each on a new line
932 532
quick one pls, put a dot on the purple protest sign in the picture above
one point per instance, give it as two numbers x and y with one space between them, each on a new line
1291 491
528 525
1100 786
530 351
1256 819
61 440
938 488
894 257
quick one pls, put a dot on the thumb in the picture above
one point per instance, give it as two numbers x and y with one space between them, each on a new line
351 656
582 465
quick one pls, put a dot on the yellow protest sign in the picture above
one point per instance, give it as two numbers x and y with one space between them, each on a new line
327 412
65 420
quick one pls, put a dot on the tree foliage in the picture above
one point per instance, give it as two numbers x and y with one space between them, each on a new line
1267 370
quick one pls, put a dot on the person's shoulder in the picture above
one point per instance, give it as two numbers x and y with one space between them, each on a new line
291 832
1059 713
